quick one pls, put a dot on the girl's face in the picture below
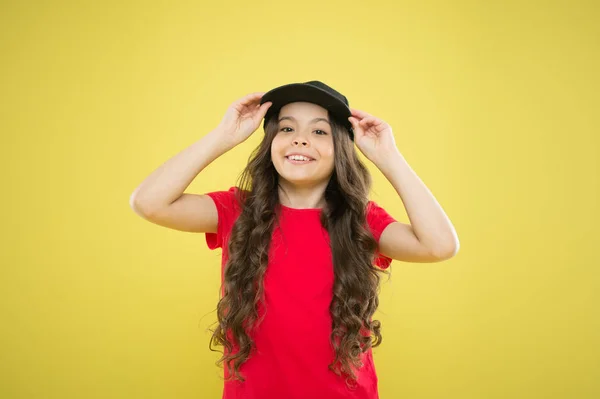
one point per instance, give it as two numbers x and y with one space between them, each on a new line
304 130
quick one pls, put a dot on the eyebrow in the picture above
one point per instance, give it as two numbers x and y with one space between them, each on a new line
314 120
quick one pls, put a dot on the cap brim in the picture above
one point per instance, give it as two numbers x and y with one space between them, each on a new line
295 92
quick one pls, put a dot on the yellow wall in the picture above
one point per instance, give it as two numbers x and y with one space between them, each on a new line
494 104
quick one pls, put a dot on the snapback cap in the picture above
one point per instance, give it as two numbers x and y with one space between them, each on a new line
315 92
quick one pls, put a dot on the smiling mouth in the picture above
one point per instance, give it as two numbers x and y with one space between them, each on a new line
294 161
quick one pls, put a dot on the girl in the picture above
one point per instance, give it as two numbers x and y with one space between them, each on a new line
302 246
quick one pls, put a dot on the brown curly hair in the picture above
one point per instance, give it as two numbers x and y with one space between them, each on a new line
356 284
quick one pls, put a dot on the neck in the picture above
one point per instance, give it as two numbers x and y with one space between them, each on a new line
302 196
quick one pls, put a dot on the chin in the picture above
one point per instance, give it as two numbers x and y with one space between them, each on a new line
294 174
301 180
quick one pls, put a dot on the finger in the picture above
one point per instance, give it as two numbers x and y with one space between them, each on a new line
373 120
359 113
265 107
368 121
376 121
358 130
252 98
262 111
379 127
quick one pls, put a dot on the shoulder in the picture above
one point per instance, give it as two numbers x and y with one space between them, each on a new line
227 203
228 200
377 218
374 209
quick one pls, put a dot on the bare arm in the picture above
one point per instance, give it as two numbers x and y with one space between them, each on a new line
430 236
160 198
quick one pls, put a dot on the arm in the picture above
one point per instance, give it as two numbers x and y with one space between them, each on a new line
160 198
430 236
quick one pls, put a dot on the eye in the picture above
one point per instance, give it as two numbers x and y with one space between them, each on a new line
322 132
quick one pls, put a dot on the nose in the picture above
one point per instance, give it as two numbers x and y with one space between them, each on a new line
300 140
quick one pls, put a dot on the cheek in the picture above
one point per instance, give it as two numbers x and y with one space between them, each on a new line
276 151
274 147
276 143
327 151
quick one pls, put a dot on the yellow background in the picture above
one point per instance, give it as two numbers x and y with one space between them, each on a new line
494 105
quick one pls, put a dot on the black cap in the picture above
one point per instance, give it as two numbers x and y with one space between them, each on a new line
314 92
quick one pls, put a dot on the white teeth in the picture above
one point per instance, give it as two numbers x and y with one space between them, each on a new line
298 158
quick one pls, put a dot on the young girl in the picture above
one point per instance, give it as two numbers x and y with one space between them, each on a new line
302 246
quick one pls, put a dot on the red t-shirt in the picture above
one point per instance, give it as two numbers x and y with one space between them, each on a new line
293 348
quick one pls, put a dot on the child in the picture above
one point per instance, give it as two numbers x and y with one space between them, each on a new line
302 246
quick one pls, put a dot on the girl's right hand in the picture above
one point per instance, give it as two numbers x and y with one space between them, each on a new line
243 117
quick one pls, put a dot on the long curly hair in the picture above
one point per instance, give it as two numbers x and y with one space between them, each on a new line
356 284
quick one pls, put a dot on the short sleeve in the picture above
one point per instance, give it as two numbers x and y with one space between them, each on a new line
378 219
228 210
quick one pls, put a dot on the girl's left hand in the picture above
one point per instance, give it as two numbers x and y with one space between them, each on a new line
373 136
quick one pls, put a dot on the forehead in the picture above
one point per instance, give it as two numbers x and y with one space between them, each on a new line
303 110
